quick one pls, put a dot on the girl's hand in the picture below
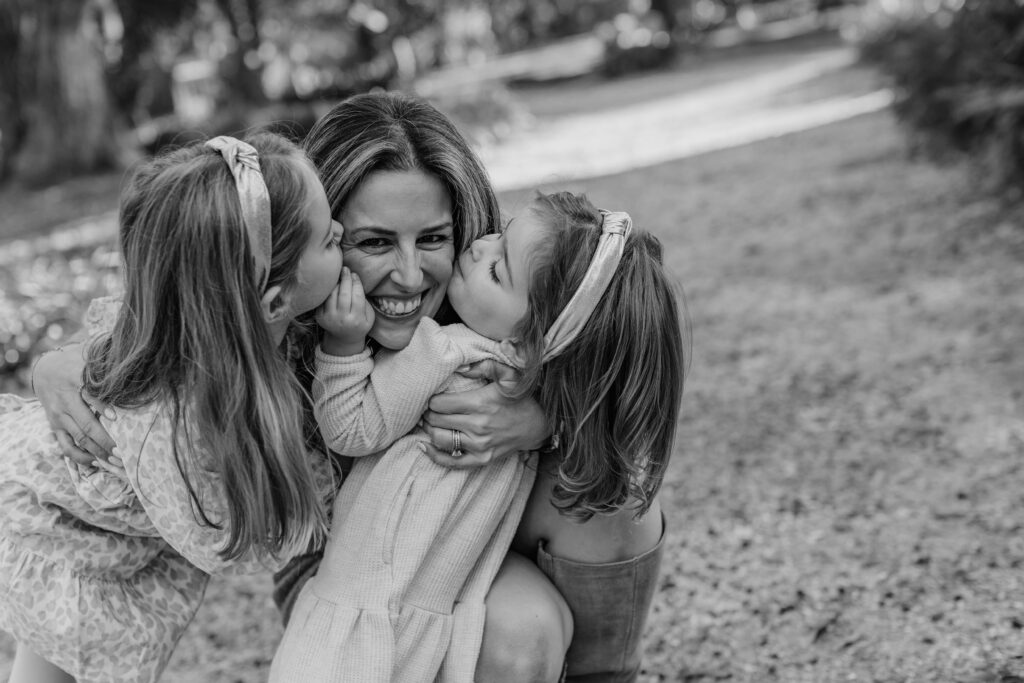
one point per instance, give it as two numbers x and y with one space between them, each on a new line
491 425
57 381
346 317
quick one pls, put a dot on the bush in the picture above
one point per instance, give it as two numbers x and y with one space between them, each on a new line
958 77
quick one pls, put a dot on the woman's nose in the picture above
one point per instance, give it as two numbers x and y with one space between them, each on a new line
407 273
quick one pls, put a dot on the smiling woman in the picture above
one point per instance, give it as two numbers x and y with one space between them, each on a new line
399 240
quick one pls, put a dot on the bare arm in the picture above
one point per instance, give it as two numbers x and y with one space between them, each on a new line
491 425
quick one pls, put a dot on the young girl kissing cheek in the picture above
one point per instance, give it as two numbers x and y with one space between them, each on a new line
490 286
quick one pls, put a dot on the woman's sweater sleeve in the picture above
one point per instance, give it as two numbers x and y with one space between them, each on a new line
366 403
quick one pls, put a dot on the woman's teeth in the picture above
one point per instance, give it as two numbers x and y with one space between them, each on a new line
395 306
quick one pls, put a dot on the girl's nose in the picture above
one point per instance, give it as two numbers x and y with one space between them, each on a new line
481 245
476 250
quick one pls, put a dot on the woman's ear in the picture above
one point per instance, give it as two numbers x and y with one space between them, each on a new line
275 304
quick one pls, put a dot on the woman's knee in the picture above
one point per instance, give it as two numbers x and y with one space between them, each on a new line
528 627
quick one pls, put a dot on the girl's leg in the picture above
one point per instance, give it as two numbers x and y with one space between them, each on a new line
528 626
607 571
31 668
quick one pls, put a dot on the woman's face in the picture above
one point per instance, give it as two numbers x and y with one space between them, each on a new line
400 241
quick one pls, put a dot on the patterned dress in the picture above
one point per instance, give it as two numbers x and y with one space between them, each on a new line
414 546
101 571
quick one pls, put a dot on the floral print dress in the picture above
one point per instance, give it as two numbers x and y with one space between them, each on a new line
101 571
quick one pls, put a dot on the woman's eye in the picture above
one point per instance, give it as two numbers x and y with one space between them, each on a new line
494 272
372 243
435 239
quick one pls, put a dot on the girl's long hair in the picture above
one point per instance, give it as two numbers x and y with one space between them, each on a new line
191 333
613 395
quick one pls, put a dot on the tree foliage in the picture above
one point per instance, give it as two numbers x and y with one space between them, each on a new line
958 74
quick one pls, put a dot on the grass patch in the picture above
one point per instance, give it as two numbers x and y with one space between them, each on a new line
845 499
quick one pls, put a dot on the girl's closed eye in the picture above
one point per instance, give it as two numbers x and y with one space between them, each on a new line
494 272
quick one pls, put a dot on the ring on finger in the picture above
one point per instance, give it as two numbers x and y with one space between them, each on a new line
456 443
95 413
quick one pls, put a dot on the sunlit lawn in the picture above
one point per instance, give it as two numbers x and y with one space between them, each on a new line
845 501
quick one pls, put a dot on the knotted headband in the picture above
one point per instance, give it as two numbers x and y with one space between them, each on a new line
244 163
615 228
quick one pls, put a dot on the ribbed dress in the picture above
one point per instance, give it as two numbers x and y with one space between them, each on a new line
102 571
414 546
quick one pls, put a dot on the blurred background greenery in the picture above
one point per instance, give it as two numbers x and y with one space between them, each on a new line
86 84
89 86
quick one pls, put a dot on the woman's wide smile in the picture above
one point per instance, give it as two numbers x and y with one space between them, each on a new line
397 306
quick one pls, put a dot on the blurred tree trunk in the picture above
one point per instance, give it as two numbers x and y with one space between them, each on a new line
244 85
64 100
140 81
12 124
669 10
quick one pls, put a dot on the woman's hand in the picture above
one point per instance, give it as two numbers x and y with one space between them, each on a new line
57 382
491 426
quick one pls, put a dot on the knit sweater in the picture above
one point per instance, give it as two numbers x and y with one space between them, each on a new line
414 546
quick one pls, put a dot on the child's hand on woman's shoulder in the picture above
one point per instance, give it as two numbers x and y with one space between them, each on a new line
346 317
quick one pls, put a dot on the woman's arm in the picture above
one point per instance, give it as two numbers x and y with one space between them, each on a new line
491 426
57 382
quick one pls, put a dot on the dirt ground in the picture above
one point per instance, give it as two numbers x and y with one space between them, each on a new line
845 499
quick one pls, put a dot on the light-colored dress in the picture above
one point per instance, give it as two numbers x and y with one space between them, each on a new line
414 546
100 572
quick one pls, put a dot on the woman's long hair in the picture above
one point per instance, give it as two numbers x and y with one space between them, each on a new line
191 333
613 395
